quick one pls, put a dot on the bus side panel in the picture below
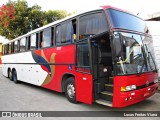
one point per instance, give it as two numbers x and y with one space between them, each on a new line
4 69
63 59
84 85
27 69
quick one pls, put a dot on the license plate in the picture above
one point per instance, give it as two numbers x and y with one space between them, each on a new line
146 94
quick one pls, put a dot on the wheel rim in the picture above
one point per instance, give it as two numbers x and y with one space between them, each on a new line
71 90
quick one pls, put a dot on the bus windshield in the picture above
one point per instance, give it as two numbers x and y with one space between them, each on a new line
127 21
134 55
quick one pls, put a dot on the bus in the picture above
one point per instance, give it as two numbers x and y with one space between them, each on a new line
104 55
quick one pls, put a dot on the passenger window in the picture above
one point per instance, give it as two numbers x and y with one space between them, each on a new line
65 33
47 38
83 55
33 42
28 43
4 49
9 48
93 24
41 39
12 47
15 46
22 44
37 40
74 27
18 46
58 35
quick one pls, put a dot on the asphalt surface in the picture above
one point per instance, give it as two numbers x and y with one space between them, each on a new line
27 97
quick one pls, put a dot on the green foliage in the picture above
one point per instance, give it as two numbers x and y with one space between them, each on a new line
25 18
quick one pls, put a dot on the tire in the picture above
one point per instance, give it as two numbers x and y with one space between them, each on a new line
70 90
10 75
14 77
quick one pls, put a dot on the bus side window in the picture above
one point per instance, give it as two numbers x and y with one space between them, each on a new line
37 40
40 39
9 48
67 33
22 44
47 37
12 47
64 33
18 46
74 27
15 46
3 49
92 24
33 42
58 35
83 56
28 43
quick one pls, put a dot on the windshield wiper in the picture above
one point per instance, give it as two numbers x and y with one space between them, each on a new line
143 61
153 62
143 64
149 53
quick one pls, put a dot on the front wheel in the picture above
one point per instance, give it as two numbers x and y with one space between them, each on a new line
70 90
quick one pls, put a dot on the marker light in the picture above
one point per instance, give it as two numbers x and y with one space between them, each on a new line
128 88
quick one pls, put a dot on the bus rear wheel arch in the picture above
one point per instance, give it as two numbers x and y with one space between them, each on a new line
70 90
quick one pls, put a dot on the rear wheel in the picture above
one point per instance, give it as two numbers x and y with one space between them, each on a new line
10 74
15 76
70 90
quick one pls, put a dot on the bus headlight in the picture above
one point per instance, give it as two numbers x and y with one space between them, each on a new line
156 81
128 88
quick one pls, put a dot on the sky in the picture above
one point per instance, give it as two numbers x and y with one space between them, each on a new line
140 7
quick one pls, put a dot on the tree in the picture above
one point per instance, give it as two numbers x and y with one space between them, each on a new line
55 15
7 12
16 18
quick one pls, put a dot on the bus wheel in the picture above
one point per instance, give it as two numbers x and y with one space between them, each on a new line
10 75
15 76
70 90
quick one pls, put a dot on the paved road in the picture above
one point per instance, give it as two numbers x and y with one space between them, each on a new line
26 97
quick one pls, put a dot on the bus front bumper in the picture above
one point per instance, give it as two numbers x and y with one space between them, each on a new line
132 97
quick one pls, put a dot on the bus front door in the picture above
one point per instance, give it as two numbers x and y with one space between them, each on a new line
84 81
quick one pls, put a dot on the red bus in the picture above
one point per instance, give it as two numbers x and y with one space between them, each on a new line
103 55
